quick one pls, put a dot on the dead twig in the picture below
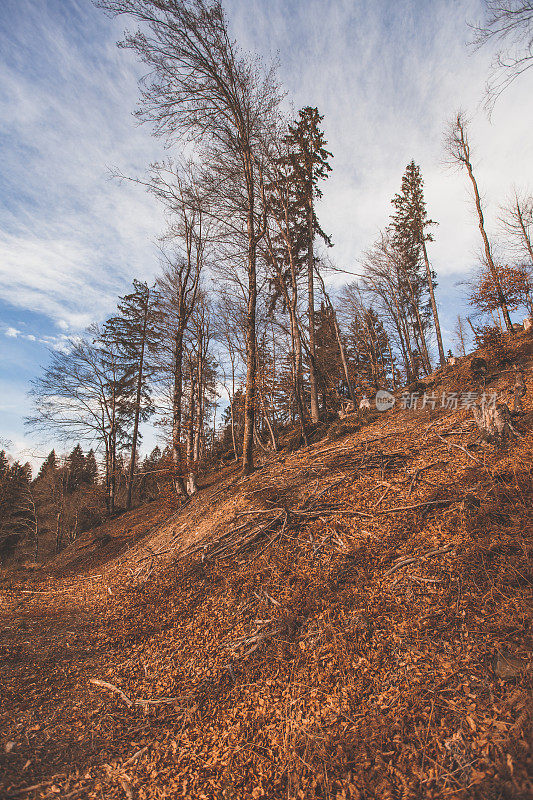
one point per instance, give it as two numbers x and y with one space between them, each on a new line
135 756
458 447
35 786
403 562
138 702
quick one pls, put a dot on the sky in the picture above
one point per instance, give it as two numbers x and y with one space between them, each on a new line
386 74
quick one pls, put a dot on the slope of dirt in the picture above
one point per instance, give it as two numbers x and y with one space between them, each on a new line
351 621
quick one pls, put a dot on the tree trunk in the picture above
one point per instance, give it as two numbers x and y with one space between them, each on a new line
131 471
433 305
107 472
423 348
233 435
488 254
200 400
191 487
297 369
391 364
269 425
112 458
177 395
340 343
313 387
249 402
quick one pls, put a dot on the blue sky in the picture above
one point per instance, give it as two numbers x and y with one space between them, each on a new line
386 76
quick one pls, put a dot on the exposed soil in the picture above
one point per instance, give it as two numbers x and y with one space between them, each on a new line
366 634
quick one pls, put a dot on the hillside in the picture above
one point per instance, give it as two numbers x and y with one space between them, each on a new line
353 620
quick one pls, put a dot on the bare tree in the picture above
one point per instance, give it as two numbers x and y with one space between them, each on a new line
80 396
510 24
202 88
457 148
382 283
179 284
338 336
227 335
516 221
460 334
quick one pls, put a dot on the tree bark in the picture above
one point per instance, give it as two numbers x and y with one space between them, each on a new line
249 402
131 471
340 343
488 254
191 481
297 369
177 396
434 310
200 398
313 386
423 347
112 457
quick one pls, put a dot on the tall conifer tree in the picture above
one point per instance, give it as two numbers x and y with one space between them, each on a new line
133 332
411 224
308 145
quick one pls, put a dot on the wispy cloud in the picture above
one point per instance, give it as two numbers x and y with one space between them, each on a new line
72 238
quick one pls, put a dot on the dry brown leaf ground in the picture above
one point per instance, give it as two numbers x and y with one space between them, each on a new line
376 645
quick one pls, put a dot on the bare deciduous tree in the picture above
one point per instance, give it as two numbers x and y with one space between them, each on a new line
460 334
457 148
516 220
203 89
179 284
510 24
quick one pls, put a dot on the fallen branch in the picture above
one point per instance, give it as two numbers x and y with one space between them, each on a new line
35 786
417 505
135 756
403 562
458 447
129 702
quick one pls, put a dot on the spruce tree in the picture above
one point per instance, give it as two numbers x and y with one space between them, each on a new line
4 464
49 465
133 333
17 509
311 164
91 469
411 226
76 466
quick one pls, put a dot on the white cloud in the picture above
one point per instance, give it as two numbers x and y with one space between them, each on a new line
12 333
387 76
73 239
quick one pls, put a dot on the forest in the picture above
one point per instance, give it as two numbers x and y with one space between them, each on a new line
318 583
240 320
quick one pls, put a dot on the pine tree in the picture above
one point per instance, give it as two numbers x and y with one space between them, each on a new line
311 164
411 225
286 250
